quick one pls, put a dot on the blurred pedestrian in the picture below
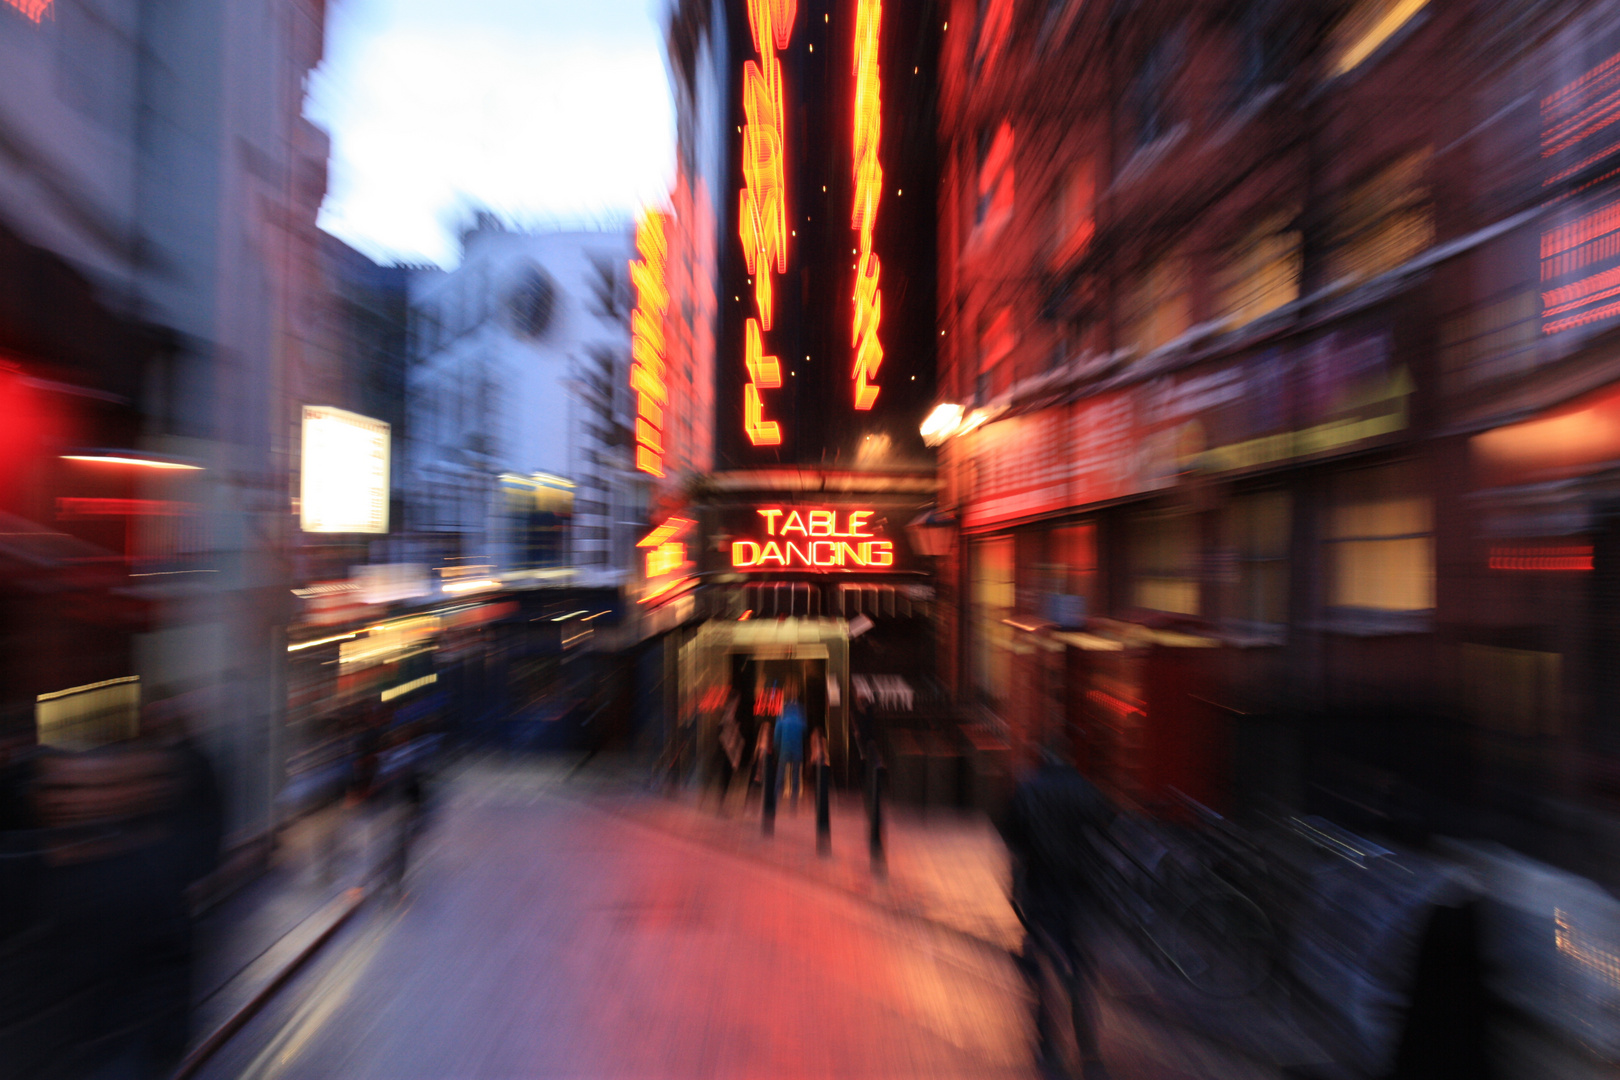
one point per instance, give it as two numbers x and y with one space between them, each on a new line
790 740
108 966
1053 830
410 798
728 747
197 811
762 755
864 728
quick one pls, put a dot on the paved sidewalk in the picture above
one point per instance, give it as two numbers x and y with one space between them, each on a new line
245 944
554 927
948 868
951 869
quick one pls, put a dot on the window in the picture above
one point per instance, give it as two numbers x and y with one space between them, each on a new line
1260 57
995 185
1073 212
1262 270
994 26
1515 691
1491 341
992 602
1369 24
1066 579
1385 221
1159 308
1381 541
995 345
1150 90
1163 560
1257 528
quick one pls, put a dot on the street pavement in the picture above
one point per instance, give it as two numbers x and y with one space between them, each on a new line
554 928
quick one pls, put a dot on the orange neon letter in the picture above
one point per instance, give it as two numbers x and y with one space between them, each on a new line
880 553
647 343
815 553
764 372
794 523
762 202
821 522
740 559
868 133
770 517
858 524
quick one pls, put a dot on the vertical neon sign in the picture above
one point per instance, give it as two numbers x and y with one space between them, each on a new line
868 190
762 211
33 10
647 369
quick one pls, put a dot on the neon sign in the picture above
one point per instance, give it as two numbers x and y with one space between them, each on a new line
647 370
1576 557
33 10
868 190
822 539
666 558
1580 247
762 203
764 372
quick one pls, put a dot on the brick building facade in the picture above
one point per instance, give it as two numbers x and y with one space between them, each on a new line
1285 326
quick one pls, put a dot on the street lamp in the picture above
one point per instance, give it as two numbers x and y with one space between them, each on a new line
942 423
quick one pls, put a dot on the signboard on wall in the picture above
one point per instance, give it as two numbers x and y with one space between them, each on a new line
1580 238
1043 462
1332 393
815 539
344 472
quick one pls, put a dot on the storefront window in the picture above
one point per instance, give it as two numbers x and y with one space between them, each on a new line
993 597
1385 221
1257 530
1163 560
1262 272
1381 541
1069 576
1158 307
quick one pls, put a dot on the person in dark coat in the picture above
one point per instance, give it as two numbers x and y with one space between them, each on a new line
1052 828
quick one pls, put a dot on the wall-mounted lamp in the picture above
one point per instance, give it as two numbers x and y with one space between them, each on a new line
942 423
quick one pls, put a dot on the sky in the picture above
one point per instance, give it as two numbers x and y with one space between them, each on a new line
545 111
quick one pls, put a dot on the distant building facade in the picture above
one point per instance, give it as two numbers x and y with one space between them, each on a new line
520 455
356 361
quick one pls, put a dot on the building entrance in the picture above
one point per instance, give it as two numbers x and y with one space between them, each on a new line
752 662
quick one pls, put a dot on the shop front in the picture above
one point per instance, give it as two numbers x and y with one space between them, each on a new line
1537 658
799 582
1170 563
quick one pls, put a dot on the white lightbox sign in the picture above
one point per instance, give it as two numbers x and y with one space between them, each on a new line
344 482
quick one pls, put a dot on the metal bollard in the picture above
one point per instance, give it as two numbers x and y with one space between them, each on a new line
875 802
768 821
823 810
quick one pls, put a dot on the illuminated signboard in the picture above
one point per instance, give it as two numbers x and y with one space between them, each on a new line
762 209
868 190
1580 243
647 373
666 559
821 539
344 481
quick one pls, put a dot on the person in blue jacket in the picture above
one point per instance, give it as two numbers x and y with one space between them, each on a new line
790 739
